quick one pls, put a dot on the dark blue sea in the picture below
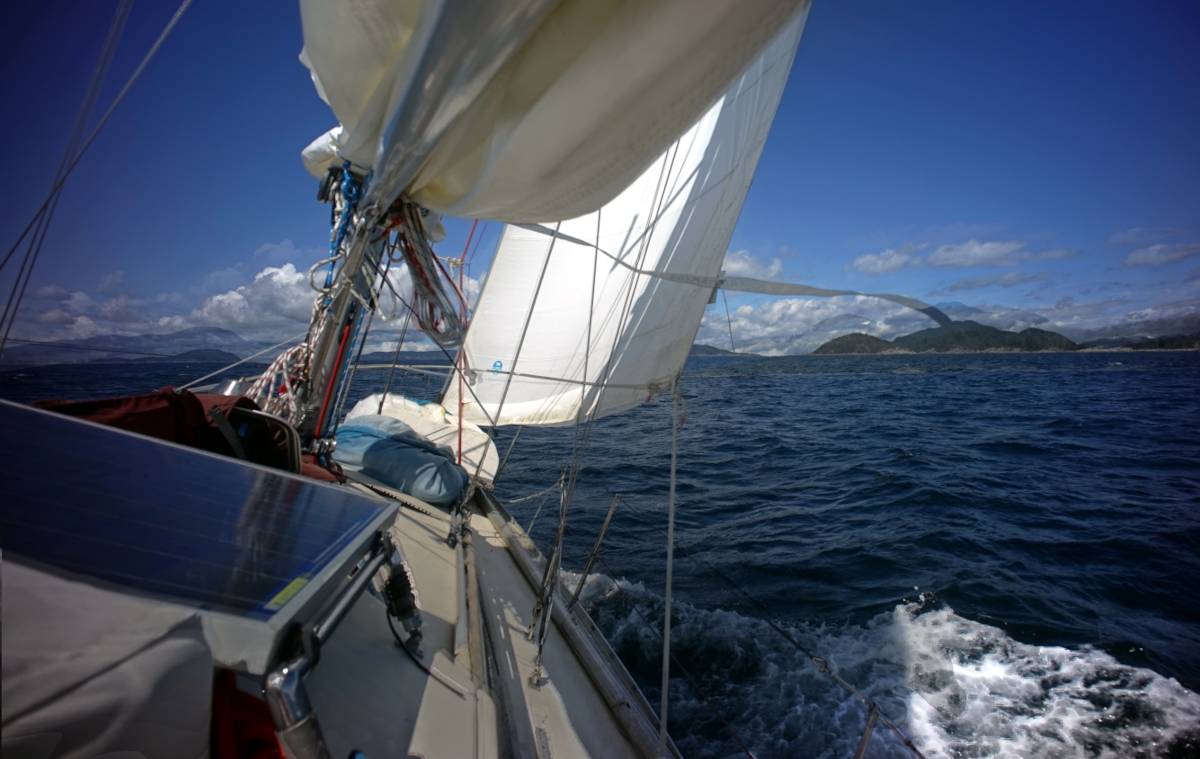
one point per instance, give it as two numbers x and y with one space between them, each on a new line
1002 550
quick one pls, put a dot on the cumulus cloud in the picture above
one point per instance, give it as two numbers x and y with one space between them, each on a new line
888 261
1161 253
742 263
277 301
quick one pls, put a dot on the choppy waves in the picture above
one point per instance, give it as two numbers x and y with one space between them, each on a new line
959 688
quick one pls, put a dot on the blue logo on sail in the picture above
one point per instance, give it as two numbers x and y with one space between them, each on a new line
497 365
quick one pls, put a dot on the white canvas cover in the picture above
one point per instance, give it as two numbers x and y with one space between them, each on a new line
439 426
91 672
554 105
676 218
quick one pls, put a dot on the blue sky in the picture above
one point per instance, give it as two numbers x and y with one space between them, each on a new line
1035 161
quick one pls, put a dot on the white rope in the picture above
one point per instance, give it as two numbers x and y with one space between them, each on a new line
676 402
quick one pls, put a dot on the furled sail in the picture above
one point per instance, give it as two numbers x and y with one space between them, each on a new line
520 110
573 320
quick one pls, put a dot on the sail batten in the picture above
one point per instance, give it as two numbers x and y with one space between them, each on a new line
655 252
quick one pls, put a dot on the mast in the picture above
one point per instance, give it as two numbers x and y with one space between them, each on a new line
515 110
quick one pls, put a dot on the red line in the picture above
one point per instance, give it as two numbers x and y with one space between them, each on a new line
337 365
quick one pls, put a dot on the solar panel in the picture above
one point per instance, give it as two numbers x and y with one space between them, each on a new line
191 527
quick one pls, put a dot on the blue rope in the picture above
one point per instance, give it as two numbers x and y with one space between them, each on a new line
351 189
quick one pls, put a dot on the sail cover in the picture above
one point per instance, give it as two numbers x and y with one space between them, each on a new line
520 110
572 320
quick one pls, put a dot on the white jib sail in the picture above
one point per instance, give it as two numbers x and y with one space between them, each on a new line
604 334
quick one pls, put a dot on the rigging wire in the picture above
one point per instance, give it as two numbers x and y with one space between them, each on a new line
820 663
41 222
583 424
344 392
676 422
100 349
387 387
728 321
137 72
239 362
462 353
508 452
687 675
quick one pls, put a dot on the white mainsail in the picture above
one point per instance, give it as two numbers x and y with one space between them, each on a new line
573 320
520 110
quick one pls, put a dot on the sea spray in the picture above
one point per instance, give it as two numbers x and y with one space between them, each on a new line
956 686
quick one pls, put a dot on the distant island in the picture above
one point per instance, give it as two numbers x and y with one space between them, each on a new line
958 336
970 336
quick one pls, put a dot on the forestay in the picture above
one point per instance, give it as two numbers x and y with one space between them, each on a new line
605 333
520 110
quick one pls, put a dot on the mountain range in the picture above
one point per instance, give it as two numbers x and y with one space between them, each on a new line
161 347
969 335
1016 331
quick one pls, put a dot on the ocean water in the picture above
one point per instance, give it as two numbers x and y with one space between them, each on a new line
1001 550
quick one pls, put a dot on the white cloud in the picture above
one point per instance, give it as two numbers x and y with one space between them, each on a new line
221 280
742 263
962 255
976 253
51 291
991 253
55 316
284 251
278 301
82 327
121 308
79 302
798 325
111 282
1161 253
1141 236
1009 279
888 261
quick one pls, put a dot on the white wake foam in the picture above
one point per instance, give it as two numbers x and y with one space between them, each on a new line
959 688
